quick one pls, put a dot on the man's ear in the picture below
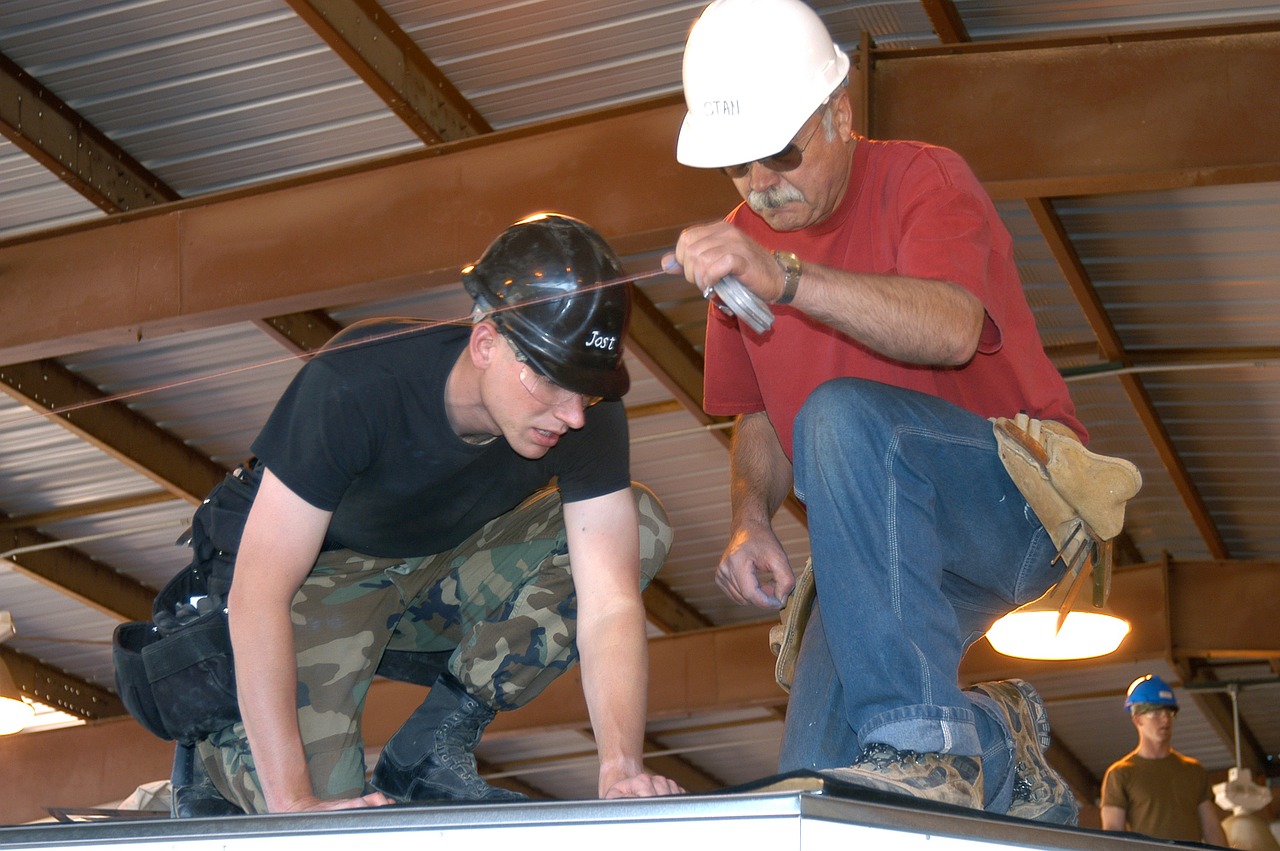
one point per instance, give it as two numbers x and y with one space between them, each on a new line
842 112
484 343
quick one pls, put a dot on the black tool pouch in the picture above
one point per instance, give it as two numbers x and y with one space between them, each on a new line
175 674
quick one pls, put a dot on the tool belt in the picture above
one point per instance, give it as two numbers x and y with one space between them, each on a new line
175 673
1078 495
784 637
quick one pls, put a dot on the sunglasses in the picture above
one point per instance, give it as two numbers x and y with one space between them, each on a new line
788 159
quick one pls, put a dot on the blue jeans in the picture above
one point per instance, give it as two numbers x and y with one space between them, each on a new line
920 542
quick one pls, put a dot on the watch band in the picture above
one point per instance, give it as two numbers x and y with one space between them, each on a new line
791 268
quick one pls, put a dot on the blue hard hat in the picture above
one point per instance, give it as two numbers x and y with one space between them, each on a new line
1151 691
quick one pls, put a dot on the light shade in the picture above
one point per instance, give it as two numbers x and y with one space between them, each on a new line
1055 626
15 713
1033 635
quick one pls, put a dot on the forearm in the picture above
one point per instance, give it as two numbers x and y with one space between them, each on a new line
615 681
266 679
1112 818
760 476
1211 824
913 320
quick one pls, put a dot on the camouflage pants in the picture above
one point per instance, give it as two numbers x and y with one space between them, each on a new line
500 607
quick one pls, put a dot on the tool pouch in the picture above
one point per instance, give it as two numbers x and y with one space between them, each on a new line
785 637
1078 495
175 673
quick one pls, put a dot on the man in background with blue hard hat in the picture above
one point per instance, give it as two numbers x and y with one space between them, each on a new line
1154 789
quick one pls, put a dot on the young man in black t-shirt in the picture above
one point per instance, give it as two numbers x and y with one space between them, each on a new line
424 491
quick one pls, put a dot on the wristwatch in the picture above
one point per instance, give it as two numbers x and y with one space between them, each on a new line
791 268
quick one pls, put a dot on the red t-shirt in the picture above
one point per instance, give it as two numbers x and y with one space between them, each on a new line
910 209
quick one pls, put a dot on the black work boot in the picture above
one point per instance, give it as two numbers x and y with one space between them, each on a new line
193 793
429 758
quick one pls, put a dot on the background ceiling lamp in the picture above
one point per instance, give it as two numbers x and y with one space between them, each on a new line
15 712
1053 628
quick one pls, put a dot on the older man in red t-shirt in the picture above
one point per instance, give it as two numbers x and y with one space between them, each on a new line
899 327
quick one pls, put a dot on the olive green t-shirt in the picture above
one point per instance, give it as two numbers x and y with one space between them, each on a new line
1160 797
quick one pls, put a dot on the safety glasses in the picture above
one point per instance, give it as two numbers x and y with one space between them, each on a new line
543 389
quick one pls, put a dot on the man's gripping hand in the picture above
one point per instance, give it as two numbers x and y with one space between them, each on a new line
754 569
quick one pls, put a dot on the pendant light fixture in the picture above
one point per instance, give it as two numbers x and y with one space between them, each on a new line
15 711
1057 626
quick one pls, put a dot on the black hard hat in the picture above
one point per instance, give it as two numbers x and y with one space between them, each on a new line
538 279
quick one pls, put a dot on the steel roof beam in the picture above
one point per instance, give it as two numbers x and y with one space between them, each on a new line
51 389
355 234
731 668
1092 115
60 139
392 64
58 689
946 20
73 573
84 509
345 238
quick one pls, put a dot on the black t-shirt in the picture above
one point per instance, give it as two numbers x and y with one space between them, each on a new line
362 432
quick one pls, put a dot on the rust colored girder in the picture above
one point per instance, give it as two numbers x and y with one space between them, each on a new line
392 64
669 612
355 234
946 21
74 574
301 333
348 237
1092 115
1077 278
63 141
1205 598
54 687
50 389
671 357
84 509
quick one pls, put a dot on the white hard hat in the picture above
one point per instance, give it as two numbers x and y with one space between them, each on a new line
754 71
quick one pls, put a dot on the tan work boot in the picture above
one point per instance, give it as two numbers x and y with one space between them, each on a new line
1039 792
943 777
